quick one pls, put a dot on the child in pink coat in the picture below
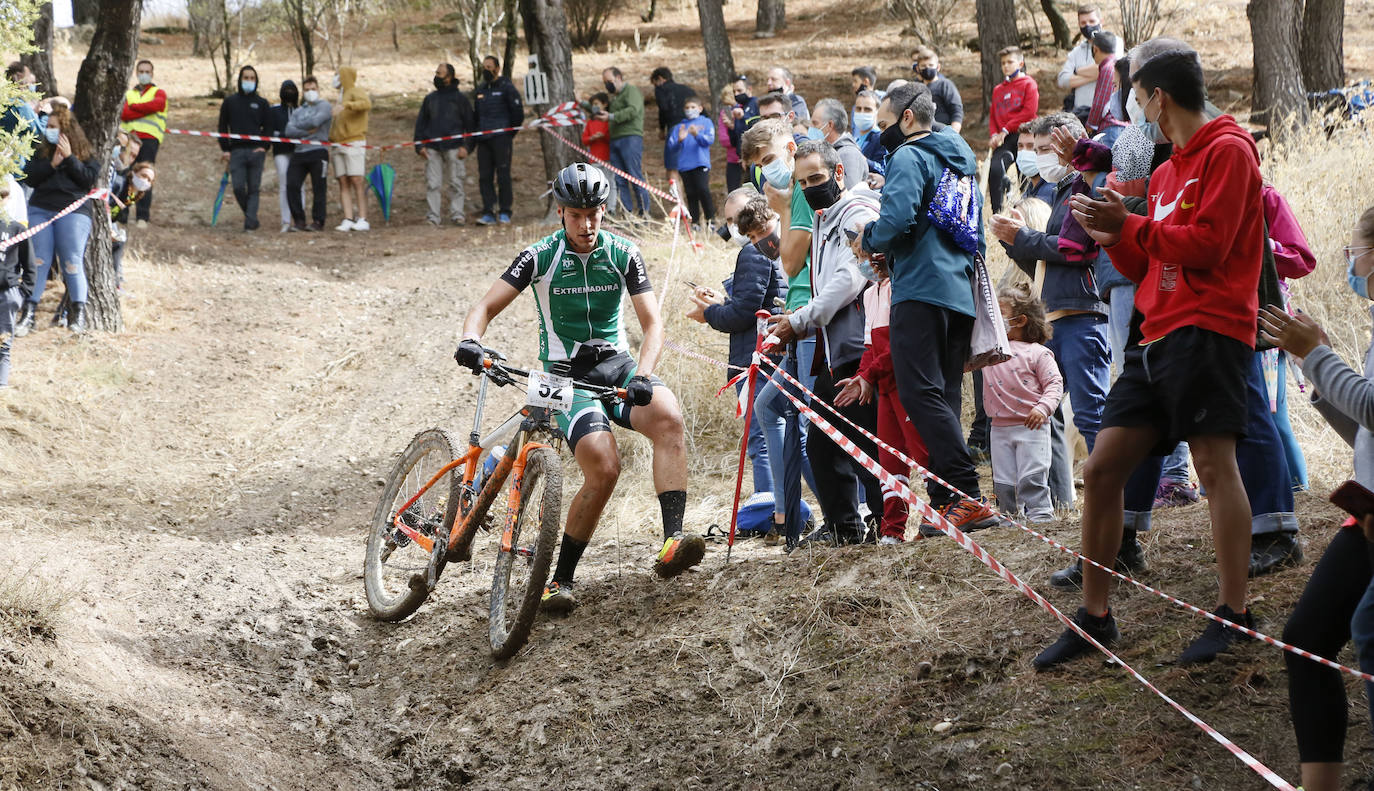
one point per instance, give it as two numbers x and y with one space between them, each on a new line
1019 396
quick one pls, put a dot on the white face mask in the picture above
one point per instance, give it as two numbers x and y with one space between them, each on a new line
312 96
141 184
1051 169
1133 112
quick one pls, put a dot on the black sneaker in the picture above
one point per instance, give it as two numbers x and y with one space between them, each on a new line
1071 645
1217 639
822 536
1273 551
1130 559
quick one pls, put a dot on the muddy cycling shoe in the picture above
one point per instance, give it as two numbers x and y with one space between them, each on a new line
772 538
558 598
1071 645
679 553
1217 639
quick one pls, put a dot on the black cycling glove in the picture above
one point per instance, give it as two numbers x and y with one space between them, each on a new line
469 354
640 390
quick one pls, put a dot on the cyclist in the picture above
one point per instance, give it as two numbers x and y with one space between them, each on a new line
579 276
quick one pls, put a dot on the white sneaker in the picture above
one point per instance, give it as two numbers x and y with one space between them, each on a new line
286 226
887 541
346 225
141 223
361 225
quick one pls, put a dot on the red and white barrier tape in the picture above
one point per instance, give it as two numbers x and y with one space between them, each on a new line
686 352
925 473
96 194
566 114
962 539
608 166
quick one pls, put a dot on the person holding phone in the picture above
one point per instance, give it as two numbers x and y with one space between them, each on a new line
1338 602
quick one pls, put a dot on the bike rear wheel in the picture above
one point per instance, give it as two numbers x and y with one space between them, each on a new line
518 583
398 573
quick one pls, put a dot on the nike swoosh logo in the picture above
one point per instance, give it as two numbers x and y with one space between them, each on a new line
1163 210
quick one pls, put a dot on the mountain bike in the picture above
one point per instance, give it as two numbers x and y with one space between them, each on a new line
434 503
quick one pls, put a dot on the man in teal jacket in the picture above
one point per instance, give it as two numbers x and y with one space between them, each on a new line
932 292
626 117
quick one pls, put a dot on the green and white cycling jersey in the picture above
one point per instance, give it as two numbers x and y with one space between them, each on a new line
579 296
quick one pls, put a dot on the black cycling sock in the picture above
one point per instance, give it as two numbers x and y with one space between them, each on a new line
673 505
568 556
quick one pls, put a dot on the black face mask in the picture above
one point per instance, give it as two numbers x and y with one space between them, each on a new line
439 82
741 98
770 246
892 137
822 196
928 73
610 86
489 74
1089 30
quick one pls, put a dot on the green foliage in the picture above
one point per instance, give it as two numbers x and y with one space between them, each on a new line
16 35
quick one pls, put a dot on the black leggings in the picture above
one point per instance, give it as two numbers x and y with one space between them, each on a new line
696 188
1001 159
1320 623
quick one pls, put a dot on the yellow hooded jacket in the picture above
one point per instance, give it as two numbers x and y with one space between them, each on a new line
350 116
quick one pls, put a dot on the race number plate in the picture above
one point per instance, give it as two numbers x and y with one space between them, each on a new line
549 391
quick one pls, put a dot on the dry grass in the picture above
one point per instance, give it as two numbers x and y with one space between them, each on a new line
30 606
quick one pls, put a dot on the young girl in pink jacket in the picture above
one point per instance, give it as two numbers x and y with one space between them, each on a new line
1019 396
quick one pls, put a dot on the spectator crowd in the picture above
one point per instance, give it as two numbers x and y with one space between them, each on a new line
1147 299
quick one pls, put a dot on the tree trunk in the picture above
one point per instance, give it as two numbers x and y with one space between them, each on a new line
1063 37
512 11
770 19
99 96
1323 46
40 62
1279 96
720 62
996 29
546 32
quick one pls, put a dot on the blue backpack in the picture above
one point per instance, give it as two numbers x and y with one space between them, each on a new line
756 515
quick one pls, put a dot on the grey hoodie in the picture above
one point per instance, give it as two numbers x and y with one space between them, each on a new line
833 311
1346 400
311 122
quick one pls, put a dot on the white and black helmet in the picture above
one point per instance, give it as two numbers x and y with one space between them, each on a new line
581 186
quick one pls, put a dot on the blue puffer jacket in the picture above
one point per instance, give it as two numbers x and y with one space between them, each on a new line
756 283
926 263
1067 286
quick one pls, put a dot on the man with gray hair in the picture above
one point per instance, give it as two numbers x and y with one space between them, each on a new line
932 301
833 122
780 81
834 317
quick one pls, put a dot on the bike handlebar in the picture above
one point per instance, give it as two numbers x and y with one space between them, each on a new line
494 368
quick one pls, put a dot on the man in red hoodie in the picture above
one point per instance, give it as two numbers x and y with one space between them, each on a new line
1196 257
1015 100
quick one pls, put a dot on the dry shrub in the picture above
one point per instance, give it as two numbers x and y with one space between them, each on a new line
1319 175
30 606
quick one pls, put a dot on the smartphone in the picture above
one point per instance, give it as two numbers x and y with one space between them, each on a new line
691 285
1354 499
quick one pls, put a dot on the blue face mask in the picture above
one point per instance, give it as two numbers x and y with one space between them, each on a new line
777 174
1360 285
249 86
814 133
51 134
865 121
866 269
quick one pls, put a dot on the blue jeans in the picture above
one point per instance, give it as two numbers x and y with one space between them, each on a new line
1292 451
1176 464
1263 470
63 241
784 431
627 154
1084 354
1362 634
10 300
758 446
1119 310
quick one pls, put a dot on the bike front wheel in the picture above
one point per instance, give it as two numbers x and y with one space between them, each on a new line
518 583
398 572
